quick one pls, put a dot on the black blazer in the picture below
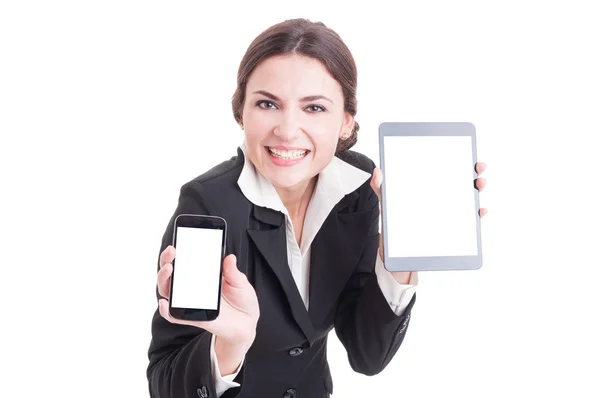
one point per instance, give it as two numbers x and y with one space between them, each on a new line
288 357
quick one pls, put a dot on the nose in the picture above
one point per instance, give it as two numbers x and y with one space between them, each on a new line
288 126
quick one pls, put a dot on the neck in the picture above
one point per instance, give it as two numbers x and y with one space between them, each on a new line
296 198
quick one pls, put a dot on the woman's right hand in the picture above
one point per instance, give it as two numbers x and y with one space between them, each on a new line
235 327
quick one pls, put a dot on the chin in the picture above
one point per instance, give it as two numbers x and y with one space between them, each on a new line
287 179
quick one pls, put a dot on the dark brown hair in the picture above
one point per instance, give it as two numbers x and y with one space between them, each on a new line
311 39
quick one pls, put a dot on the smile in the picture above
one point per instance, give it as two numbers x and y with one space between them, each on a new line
288 154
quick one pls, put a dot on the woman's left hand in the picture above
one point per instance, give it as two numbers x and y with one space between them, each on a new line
404 277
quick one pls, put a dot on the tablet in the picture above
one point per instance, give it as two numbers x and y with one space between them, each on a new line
429 202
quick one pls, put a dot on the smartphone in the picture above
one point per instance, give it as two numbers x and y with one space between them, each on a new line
199 242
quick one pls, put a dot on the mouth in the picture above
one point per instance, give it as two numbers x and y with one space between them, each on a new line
287 154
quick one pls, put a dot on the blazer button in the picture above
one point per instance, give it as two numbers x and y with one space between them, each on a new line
202 392
291 393
296 351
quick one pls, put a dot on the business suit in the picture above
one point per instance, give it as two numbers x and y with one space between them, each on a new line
288 357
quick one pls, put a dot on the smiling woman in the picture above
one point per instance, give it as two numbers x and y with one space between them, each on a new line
296 98
314 42
302 213
293 116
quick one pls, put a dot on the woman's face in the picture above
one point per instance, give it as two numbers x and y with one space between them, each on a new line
293 117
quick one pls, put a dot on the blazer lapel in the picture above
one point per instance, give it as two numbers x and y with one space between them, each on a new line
335 253
271 242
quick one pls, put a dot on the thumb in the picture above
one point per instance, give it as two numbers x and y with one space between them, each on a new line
232 274
376 181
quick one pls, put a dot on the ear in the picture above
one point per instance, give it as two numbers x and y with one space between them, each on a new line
347 125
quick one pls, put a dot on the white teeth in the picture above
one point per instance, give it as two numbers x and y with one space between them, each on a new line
288 155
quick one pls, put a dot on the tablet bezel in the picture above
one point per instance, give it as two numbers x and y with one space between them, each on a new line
436 263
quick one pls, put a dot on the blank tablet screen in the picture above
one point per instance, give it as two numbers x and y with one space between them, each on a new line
429 198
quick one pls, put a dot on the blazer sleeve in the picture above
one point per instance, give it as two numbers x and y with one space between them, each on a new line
180 363
368 328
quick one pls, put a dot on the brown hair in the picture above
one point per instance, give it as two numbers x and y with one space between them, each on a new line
311 39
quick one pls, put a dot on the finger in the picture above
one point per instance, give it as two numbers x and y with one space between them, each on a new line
480 183
376 181
164 280
232 274
167 256
482 212
163 309
480 167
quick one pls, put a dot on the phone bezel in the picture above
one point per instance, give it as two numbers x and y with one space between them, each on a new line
206 222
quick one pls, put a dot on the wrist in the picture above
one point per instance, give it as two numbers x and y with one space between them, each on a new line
402 277
230 354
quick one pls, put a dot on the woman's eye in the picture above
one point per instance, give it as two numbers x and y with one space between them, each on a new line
315 108
266 104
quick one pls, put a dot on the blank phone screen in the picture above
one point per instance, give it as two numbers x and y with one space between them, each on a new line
429 196
197 268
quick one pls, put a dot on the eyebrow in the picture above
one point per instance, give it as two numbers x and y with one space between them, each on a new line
305 99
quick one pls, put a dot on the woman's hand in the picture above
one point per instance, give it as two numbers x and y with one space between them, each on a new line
376 180
235 327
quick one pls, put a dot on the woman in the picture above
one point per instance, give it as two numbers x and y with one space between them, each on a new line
304 249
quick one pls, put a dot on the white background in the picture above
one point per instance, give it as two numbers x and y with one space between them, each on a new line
106 109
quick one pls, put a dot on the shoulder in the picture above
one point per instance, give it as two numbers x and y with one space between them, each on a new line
364 197
215 192
358 160
217 186
228 170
